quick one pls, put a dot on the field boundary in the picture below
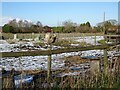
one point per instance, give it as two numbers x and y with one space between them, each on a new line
58 51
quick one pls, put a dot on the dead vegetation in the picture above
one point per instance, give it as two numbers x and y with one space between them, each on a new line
74 60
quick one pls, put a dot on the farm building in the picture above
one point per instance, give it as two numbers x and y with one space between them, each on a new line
47 29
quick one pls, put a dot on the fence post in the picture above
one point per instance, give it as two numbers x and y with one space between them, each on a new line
33 36
83 38
12 76
49 67
95 39
95 67
15 36
1 83
105 62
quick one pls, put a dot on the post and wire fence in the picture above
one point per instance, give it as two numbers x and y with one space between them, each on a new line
50 52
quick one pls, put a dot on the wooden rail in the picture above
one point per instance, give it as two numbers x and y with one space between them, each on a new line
64 50
58 51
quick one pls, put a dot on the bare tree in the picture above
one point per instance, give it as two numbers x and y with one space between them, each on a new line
21 23
26 23
13 23
69 26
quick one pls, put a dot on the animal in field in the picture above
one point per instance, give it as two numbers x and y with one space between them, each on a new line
50 38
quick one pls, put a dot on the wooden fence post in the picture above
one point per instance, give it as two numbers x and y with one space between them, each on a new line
33 36
105 62
49 67
83 38
95 67
1 80
15 36
95 39
12 76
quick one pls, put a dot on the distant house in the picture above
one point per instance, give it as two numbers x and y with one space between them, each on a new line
47 29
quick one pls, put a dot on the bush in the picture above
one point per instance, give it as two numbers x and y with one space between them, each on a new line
7 28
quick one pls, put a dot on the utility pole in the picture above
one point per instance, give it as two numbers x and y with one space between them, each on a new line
104 24
104 17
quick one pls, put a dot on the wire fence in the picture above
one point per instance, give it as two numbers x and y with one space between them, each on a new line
105 74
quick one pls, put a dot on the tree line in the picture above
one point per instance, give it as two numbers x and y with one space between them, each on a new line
24 26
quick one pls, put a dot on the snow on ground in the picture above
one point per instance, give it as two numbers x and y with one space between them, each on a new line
34 62
40 62
21 46
28 63
18 46
92 53
87 39
25 46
